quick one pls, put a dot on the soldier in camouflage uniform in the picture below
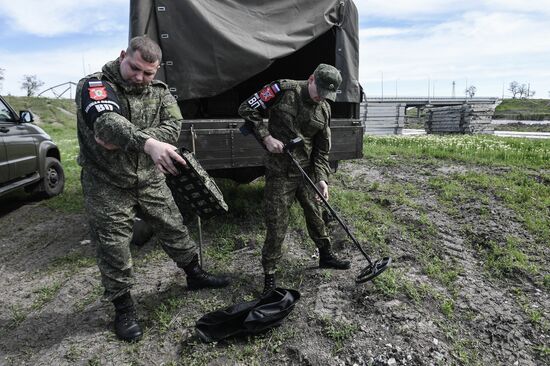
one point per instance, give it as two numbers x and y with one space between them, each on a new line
295 109
127 123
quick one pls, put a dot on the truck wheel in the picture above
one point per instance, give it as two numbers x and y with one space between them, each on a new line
54 178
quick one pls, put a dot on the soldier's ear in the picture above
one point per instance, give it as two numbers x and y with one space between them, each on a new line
122 55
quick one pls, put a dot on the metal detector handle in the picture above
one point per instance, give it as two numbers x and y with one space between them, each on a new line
287 149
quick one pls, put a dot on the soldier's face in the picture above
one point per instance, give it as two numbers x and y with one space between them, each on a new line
135 70
312 88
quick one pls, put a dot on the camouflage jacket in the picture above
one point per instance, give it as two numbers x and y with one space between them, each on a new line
292 113
142 113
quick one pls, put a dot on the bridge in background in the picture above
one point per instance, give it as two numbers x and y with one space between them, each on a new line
386 116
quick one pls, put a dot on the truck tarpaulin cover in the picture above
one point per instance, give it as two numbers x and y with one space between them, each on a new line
210 46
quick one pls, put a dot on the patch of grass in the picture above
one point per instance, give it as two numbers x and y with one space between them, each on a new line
447 306
326 275
413 292
163 315
533 313
48 110
542 350
546 281
17 316
388 283
478 149
467 351
338 331
443 271
45 295
521 108
156 254
92 296
508 259
94 361
71 263
73 353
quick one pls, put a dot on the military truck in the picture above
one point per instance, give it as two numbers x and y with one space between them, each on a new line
218 53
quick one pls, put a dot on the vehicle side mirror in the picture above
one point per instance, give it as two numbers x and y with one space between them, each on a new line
25 116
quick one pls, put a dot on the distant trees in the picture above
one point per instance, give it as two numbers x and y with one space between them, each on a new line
1 77
470 91
521 91
30 84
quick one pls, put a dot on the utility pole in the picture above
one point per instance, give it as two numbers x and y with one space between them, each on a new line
454 83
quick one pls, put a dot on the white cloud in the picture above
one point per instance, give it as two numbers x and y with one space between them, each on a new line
381 32
426 9
57 17
486 44
56 66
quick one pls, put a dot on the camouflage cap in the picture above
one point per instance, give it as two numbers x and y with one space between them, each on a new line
327 79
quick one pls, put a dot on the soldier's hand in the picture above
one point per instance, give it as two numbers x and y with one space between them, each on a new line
163 156
322 186
106 145
273 145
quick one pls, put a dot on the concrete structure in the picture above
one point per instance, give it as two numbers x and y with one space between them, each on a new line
386 116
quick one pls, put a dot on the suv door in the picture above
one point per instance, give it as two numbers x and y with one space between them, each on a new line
20 146
5 114
4 168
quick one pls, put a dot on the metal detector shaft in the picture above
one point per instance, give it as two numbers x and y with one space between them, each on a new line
308 179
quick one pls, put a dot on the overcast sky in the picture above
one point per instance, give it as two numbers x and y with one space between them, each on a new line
408 48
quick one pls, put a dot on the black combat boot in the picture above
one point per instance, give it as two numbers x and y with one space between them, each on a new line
269 284
198 278
327 259
126 323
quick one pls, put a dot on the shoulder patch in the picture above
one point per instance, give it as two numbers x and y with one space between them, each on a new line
266 97
97 97
97 90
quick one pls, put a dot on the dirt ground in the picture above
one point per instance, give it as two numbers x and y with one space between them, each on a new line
51 313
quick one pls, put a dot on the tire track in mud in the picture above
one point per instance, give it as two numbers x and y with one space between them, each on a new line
486 317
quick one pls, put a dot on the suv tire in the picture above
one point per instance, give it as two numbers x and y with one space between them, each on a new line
54 179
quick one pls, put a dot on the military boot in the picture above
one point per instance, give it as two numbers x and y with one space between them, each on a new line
198 278
126 322
269 284
327 259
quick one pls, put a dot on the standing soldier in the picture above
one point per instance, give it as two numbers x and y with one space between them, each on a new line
127 123
295 109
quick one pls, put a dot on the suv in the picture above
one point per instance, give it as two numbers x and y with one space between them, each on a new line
28 156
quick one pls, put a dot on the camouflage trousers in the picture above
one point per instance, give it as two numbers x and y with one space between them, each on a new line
111 213
279 194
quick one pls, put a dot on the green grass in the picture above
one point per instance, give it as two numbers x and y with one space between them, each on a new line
45 295
71 263
523 109
524 192
48 111
65 137
475 149
338 331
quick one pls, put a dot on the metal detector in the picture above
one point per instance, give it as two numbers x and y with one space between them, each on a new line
374 268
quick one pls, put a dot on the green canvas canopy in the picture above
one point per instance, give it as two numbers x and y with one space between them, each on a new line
210 46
